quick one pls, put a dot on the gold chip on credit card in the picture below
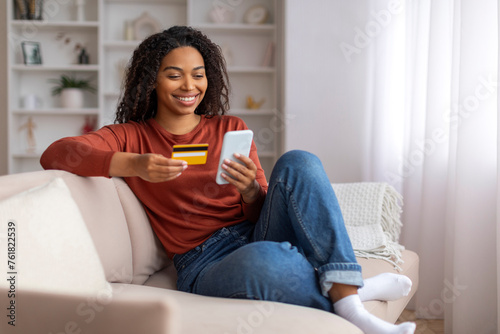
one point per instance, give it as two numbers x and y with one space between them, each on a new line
193 154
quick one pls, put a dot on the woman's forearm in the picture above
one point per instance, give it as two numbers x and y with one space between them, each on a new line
77 157
122 164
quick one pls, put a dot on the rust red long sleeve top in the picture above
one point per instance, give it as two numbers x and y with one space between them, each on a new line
183 212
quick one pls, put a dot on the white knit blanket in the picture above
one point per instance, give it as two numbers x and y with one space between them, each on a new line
372 214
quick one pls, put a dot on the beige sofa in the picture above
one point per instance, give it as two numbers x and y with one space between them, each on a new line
130 288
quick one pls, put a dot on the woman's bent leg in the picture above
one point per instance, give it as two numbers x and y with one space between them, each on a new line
301 207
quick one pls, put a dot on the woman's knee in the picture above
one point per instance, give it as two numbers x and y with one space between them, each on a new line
291 166
298 157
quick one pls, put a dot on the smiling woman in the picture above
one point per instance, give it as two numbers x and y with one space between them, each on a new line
180 87
149 64
231 239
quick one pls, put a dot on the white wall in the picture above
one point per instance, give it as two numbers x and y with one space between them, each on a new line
323 102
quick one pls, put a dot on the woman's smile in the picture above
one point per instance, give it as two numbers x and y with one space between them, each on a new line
187 100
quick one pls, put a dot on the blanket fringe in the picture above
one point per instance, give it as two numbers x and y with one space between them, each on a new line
390 253
391 213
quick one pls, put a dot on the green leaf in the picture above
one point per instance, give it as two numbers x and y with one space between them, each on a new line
67 81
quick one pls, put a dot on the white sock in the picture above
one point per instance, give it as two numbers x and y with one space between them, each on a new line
351 308
386 286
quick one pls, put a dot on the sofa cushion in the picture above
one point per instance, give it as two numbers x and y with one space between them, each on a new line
165 278
101 210
201 314
49 246
148 254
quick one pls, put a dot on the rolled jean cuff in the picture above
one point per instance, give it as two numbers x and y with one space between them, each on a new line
344 273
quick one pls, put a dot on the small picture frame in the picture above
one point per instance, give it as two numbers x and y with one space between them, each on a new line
31 53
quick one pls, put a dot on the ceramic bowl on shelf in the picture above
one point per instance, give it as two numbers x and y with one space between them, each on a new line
256 15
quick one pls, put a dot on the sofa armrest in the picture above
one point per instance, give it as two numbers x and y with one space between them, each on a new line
101 312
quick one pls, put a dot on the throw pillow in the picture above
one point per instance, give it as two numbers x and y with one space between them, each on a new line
46 244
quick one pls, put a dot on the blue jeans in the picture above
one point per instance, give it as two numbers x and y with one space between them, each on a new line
292 254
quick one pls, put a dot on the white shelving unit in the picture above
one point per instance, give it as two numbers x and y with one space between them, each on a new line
103 34
58 34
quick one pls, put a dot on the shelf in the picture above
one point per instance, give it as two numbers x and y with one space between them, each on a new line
235 27
21 155
266 154
45 24
250 69
111 95
56 111
82 68
252 112
121 44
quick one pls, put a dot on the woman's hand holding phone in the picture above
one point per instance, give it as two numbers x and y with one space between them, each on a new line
235 167
243 177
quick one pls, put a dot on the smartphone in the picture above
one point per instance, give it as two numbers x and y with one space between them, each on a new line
234 142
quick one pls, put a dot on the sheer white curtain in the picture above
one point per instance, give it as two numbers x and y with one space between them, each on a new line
446 141
407 89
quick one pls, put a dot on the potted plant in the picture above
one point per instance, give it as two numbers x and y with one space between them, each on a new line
71 90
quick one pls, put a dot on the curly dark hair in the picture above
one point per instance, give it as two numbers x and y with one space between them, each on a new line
139 100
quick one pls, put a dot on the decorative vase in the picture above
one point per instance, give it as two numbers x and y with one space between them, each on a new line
80 10
83 57
72 98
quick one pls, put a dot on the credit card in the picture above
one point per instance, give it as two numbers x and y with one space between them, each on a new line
193 154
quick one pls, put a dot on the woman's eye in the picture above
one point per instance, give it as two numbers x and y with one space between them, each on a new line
199 76
174 76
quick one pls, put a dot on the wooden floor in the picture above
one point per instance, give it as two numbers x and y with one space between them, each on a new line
424 326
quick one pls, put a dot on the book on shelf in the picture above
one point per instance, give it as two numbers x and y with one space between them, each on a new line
28 9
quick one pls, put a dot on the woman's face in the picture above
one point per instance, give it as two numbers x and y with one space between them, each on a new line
181 81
